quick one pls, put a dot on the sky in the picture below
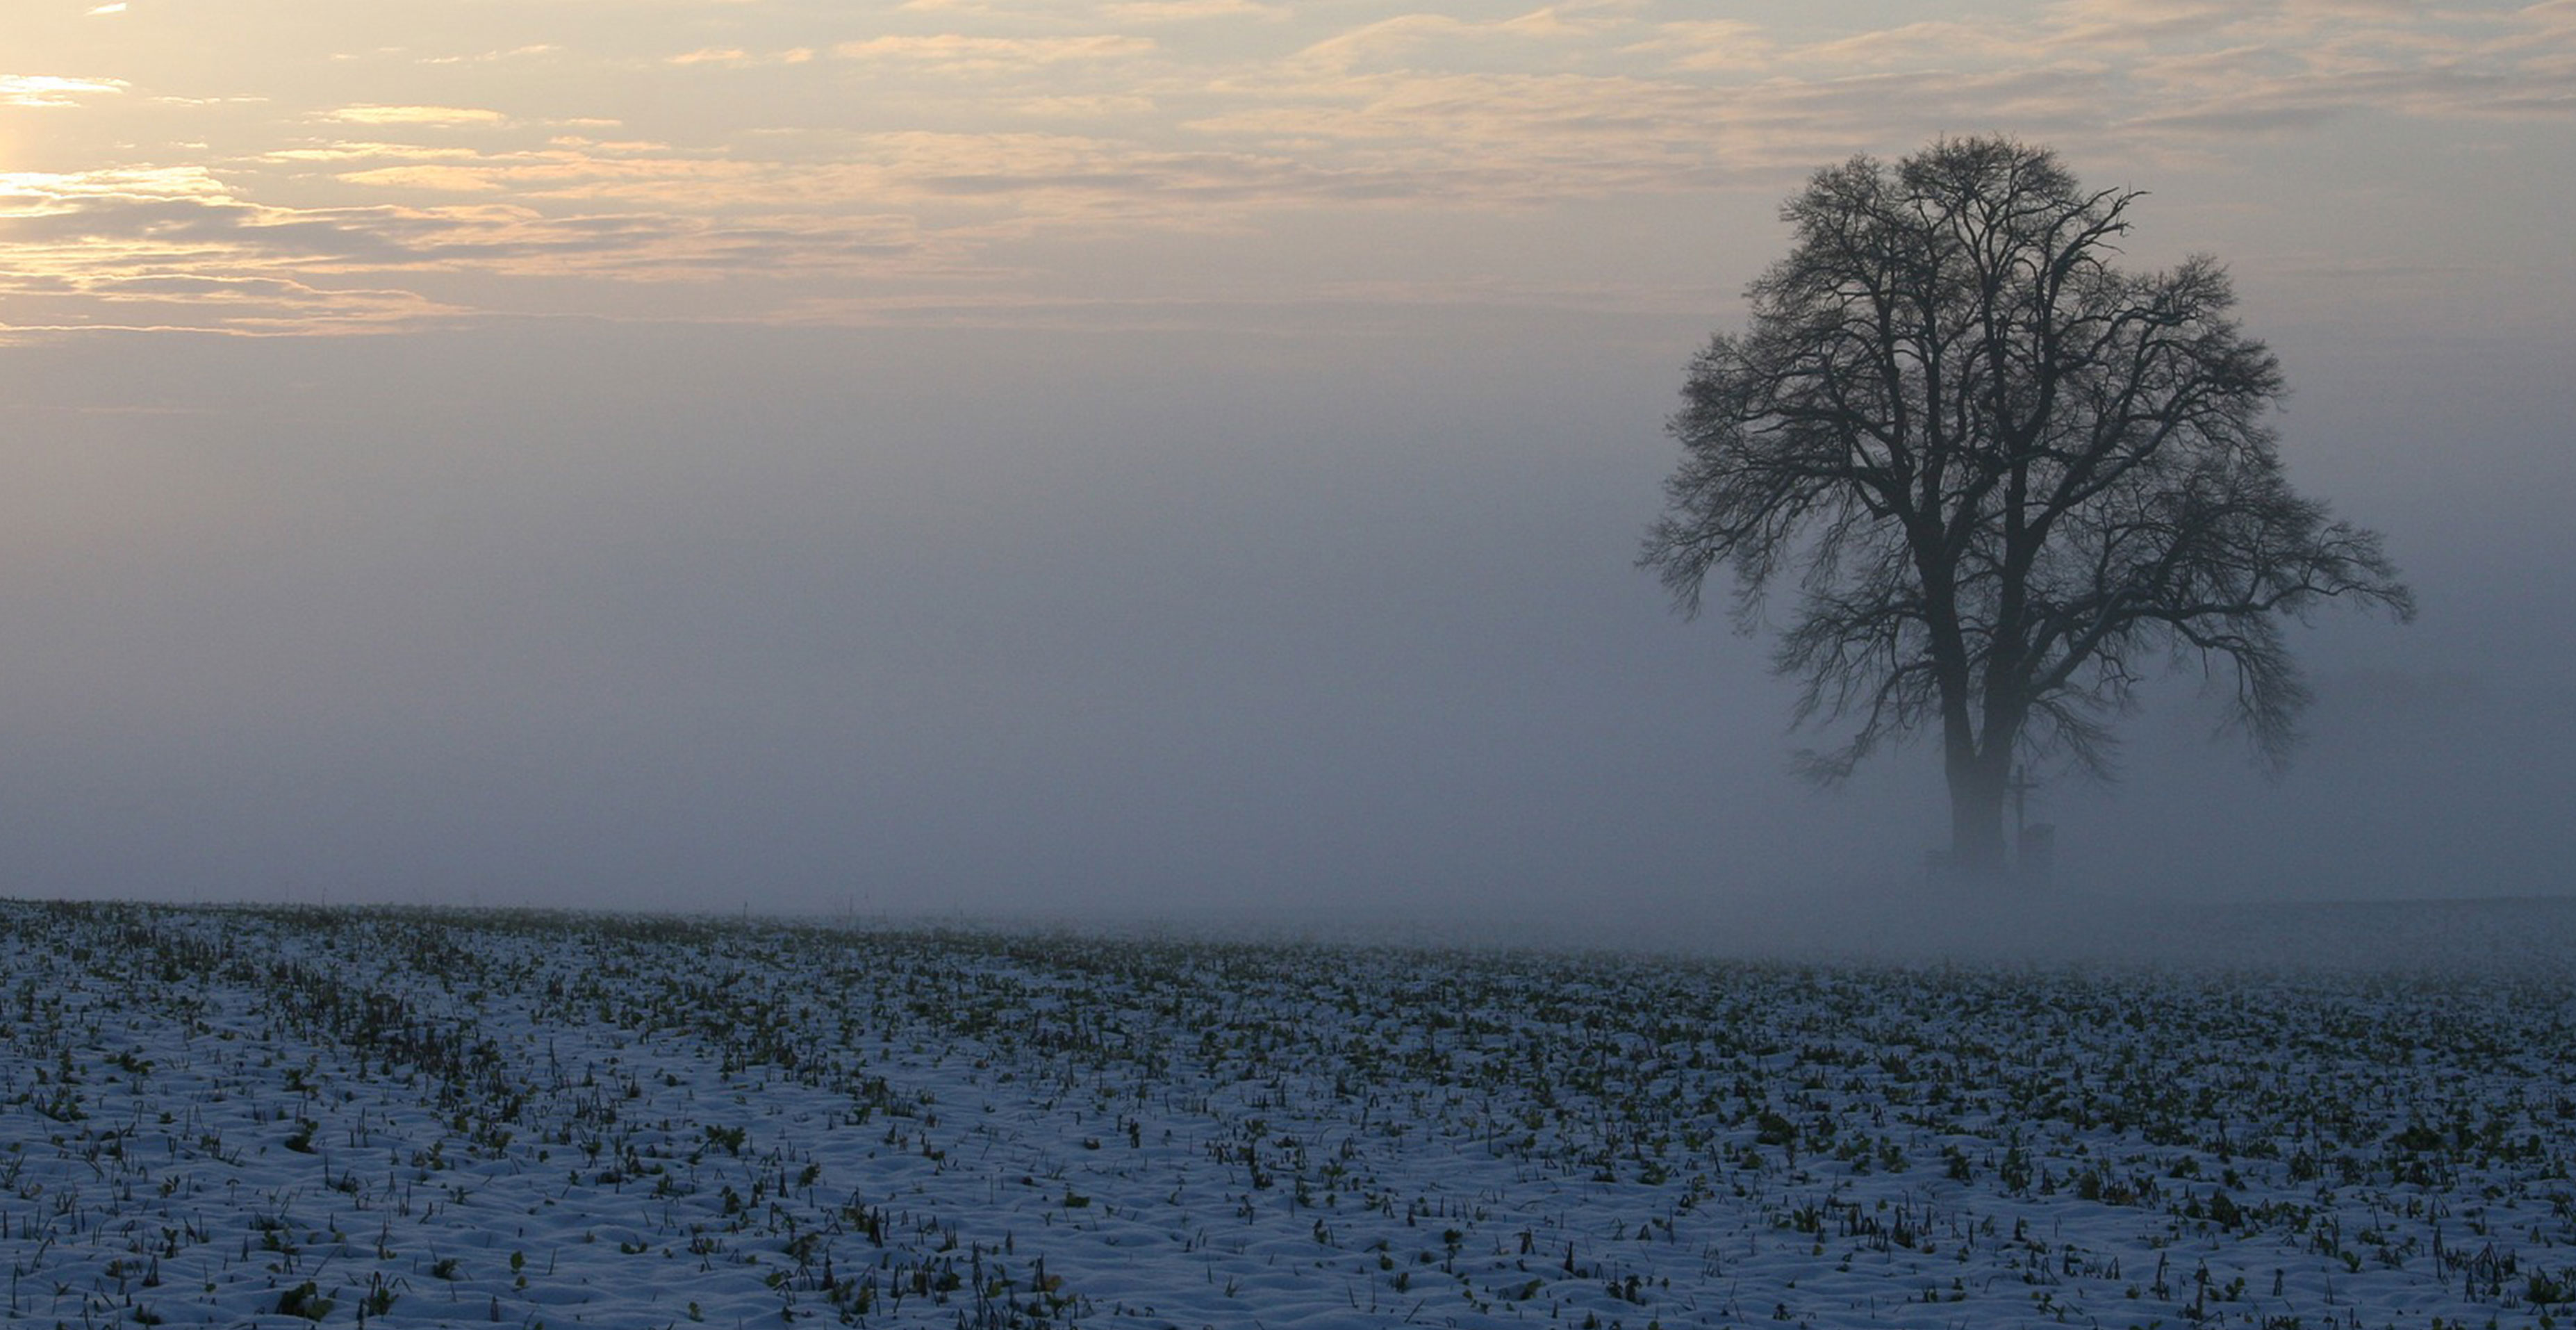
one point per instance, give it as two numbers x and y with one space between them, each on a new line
1159 458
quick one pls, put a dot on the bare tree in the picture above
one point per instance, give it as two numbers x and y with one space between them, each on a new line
2009 478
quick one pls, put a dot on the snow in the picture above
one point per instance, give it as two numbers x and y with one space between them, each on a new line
245 1116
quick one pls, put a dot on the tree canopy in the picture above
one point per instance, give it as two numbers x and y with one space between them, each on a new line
2009 479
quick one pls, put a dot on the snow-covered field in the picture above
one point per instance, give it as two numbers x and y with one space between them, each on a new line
266 1117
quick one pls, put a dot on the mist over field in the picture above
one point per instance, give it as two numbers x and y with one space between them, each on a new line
1047 624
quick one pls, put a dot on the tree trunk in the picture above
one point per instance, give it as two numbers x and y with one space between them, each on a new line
1977 789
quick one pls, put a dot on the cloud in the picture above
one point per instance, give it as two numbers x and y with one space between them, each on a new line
1497 138
2305 100
1184 11
957 53
48 90
1382 39
2557 17
364 150
235 303
1582 18
181 238
571 168
449 179
1710 44
414 115
2377 9
1432 106
1085 107
2135 22
513 53
1927 42
737 58
1027 181
30 193
1448 41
